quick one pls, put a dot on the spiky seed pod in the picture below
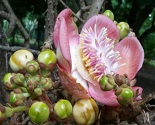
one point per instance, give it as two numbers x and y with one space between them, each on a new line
107 82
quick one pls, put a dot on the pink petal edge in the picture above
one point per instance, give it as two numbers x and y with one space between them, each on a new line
103 97
103 21
132 54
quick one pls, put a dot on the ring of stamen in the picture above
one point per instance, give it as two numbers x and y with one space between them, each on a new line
98 52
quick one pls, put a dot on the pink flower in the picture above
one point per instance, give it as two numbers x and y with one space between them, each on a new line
84 58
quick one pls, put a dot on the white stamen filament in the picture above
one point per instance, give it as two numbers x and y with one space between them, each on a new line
98 52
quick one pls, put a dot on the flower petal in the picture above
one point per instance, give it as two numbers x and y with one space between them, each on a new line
62 62
81 67
66 34
132 54
102 21
69 84
104 97
139 89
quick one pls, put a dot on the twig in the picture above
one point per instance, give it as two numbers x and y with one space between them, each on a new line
72 11
15 21
50 18
14 48
95 8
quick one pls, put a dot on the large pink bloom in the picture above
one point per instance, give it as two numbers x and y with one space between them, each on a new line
84 58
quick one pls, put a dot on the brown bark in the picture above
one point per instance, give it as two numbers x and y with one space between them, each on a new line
49 24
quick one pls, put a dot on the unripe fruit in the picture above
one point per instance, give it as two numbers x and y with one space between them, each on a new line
19 59
39 112
63 109
85 111
109 14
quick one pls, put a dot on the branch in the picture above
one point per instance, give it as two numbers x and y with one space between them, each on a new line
15 48
95 8
11 19
49 24
17 22
72 11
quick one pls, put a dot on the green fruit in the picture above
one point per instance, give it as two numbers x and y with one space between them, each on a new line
124 29
109 14
39 112
63 109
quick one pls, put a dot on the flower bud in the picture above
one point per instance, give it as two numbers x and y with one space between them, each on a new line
19 59
109 14
124 29
38 91
39 112
85 111
47 59
32 82
46 83
63 109
107 82
32 67
16 97
125 95
7 81
18 79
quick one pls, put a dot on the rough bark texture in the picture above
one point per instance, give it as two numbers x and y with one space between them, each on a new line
49 25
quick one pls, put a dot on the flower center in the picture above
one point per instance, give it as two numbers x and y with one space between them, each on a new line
98 52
